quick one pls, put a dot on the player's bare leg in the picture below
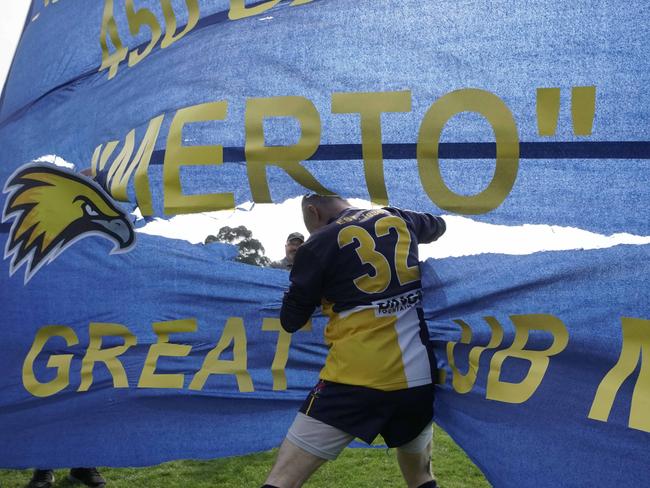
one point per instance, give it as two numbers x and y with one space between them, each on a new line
416 467
293 466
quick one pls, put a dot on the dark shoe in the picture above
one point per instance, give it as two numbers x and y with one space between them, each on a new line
87 476
41 478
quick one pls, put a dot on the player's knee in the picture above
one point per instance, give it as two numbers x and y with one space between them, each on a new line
420 445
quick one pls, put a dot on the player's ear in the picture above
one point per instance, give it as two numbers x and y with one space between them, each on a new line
316 213
311 217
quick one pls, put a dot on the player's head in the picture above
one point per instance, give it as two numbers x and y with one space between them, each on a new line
317 210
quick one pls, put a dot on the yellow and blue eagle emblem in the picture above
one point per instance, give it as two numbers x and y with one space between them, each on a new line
52 209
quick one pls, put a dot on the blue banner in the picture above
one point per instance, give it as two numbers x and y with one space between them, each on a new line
505 114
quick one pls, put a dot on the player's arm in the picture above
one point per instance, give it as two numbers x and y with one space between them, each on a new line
304 293
427 227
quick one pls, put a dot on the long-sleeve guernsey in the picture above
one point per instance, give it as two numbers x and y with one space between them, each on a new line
363 268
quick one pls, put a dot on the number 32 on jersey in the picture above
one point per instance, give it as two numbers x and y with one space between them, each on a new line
367 251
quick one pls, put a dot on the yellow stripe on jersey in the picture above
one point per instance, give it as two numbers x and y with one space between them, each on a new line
381 352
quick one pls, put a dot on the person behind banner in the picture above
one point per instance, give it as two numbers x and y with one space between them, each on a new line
44 478
363 267
294 241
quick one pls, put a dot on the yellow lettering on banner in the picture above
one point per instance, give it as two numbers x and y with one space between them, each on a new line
141 163
60 362
149 378
124 165
583 109
178 155
370 107
95 160
636 347
120 167
548 110
507 143
504 391
234 333
239 10
109 30
108 356
107 152
463 383
143 17
281 351
259 156
193 15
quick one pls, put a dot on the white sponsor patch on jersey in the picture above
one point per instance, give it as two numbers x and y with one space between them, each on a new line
398 304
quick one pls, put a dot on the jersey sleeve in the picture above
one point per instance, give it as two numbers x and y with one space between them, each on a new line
304 293
427 227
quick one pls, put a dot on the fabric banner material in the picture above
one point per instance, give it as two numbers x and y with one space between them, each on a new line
127 349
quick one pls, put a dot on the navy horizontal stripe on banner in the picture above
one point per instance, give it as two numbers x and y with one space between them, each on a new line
458 150
467 150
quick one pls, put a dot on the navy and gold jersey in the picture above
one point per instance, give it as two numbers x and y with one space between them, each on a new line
363 268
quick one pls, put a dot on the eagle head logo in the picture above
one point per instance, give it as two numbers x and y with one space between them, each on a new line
52 209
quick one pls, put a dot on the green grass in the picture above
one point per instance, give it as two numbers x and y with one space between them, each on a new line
371 468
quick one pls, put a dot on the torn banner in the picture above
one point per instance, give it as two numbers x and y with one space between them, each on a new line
507 113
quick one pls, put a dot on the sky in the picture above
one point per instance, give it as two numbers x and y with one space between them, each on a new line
271 224
12 19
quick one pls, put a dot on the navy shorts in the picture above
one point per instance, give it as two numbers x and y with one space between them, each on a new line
399 416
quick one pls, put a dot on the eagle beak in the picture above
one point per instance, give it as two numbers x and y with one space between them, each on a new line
119 229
